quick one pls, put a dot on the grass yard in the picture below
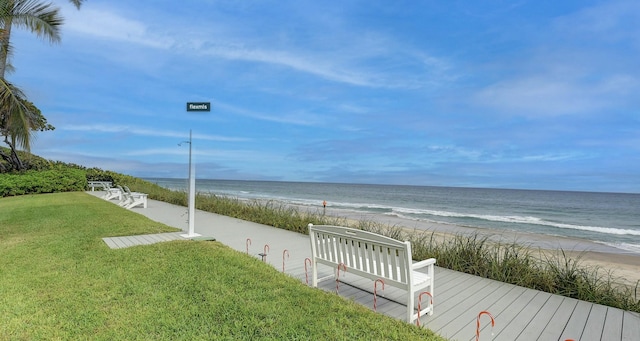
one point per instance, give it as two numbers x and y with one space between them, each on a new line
59 280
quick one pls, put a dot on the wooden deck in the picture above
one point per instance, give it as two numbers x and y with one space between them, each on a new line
146 239
520 313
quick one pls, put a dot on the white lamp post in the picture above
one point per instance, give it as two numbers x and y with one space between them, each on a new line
192 195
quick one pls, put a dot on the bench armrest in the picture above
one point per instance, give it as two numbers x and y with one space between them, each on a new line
423 263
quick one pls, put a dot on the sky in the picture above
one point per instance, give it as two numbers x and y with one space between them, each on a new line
497 94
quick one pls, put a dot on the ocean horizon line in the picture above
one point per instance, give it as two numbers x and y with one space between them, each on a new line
393 184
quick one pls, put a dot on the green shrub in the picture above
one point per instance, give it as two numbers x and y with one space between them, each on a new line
62 179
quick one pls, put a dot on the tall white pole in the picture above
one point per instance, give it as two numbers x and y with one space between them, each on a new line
192 194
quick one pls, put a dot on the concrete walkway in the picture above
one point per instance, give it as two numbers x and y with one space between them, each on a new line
520 313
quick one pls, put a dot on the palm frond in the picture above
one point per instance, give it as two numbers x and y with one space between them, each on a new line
43 19
76 3
15 117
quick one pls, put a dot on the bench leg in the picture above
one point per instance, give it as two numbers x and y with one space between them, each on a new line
410 302
314 273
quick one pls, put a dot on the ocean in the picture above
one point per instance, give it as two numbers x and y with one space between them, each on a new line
605 219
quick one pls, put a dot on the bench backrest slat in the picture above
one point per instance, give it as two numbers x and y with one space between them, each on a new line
367 253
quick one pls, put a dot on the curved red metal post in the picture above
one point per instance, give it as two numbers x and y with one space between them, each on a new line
264 254
248 243
306 273
344 269
493 323
420 304
375 293
283 253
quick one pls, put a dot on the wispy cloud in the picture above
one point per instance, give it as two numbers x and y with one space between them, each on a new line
609 21
348 61
548 95
103 22
569 70
295 118
115 129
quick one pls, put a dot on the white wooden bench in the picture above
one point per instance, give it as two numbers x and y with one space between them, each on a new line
104 184
373 256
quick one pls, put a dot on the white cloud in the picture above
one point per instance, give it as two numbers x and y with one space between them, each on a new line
344 61
116 129
297 118
102 22
609 21
546 95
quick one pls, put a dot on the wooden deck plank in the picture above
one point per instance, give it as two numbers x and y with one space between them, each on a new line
492 293
459 283
128 241
538 320
120 242
612 326
595 323
159 237
575 326
464 326
506 318
444 276
449 311
559 319
110 243
630 326
147 239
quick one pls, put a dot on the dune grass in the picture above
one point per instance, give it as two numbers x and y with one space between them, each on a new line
59 280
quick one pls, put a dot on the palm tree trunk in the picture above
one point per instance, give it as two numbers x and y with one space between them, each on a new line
13 158
4 49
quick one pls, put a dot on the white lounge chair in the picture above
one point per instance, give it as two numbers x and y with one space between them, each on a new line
113 193
133 199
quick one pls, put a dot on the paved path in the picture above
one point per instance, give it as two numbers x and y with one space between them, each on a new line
520 313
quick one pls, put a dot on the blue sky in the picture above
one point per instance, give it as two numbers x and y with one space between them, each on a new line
504 94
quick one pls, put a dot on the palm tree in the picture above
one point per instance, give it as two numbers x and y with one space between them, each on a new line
17 119
15 122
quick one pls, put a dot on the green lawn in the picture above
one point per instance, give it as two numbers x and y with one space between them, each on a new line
58 280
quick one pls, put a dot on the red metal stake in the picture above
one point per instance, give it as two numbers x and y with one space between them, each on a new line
493 323
283 253
375 293
420 304
344 268
264 254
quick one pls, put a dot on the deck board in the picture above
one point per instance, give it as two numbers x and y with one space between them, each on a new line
452 318
610 328
128 241
559 319
595 323
575 326
630 326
